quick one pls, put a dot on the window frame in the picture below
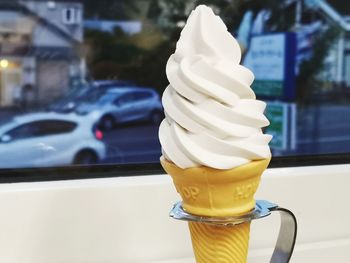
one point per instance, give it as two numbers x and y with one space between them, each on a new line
74 18
17 175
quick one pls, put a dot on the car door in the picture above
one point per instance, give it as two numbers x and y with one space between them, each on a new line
57 141
143 105
21 146
126 109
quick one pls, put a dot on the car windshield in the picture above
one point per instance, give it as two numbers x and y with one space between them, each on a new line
72 94
77 92
91 96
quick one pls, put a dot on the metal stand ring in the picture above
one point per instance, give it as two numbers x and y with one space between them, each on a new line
287 234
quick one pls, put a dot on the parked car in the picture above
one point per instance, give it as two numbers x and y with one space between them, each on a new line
122 105
50 139
84 93
68 102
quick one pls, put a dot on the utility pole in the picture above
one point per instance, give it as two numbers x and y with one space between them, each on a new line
298 14
340 64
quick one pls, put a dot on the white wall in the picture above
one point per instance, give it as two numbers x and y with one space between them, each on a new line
126 219
42 36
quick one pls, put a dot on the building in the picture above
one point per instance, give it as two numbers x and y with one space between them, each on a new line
40 50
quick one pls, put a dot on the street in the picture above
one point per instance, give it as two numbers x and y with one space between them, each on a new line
134 143
324 129
320 130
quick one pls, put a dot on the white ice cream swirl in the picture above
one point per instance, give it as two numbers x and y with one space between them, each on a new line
212 116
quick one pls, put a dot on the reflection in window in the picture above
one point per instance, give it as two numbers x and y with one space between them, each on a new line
103 64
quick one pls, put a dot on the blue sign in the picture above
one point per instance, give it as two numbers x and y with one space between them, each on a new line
271 58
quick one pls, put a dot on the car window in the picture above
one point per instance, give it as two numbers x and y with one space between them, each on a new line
142 95
24 131
126 99
40 128
55 127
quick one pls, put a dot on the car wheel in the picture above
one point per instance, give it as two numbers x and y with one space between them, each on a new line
156 117
107 123
85 158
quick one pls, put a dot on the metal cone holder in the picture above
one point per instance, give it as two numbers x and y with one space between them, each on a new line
288 228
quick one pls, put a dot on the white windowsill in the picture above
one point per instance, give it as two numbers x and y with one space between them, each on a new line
126 219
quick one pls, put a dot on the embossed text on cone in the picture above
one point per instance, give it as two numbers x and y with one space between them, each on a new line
218 193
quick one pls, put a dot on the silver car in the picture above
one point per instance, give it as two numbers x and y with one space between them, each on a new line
123 105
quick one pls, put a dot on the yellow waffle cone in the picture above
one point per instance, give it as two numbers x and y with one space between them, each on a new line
220 244
211 192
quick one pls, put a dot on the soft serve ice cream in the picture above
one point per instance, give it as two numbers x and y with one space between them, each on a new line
212 116
212 140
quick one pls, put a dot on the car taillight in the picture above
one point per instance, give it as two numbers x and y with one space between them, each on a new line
98 134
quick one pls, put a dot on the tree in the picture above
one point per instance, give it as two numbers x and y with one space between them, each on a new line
307 81
111 9
170 16
341 6
142 57
108 53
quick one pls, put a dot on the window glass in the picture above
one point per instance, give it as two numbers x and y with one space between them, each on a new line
24 132
55 127
142 95
69 65
127 98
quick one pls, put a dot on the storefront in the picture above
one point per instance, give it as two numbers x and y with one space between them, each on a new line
10 82
39 52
